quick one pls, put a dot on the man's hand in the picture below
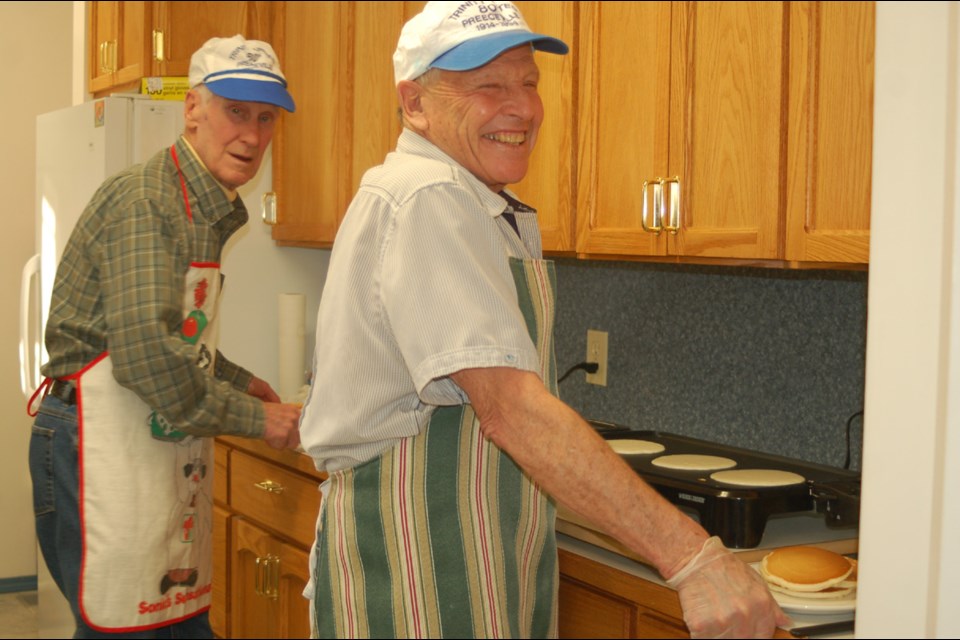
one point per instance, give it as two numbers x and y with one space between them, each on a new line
261 389
282 429
722 597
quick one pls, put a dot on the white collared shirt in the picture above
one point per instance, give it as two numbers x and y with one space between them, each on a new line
418 287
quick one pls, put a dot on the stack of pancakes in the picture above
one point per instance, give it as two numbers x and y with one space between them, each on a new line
809 572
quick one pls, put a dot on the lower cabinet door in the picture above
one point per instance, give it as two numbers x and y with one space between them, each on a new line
268 578
598 601
218 604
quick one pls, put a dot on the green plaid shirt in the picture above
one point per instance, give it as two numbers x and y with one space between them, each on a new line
120 288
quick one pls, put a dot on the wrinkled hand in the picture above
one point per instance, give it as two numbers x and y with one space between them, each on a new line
722 597
261 389
282 429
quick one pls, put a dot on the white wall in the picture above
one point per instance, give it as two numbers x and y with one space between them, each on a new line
36 40
909 542
257 271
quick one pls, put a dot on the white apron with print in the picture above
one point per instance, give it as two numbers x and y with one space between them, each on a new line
146 491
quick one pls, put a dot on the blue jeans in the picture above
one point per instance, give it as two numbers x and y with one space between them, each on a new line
55 474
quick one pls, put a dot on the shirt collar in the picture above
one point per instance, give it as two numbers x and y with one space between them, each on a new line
415 144
231 193
206 192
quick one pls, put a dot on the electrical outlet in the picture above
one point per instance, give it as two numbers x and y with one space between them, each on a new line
597 352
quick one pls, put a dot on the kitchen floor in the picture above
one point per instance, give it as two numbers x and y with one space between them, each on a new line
18 614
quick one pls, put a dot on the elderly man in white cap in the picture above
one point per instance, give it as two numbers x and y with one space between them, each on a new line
121 453
434 407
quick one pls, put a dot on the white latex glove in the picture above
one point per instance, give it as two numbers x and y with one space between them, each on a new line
722 597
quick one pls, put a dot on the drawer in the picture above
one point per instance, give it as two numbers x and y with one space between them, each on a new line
281 500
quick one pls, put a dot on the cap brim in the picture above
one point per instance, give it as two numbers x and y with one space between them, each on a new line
479 51
266 91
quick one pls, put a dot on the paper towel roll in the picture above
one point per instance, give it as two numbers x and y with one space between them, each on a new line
292 357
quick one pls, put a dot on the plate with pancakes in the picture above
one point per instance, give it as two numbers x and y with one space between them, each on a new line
806 579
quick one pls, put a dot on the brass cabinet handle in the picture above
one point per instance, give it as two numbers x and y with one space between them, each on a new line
657 226
266 577
158 51
673 218
269 486
102 48
268 207
113 56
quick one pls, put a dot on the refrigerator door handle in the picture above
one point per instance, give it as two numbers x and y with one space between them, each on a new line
29 349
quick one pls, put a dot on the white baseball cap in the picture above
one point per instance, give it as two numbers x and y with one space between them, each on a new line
458 36
239 69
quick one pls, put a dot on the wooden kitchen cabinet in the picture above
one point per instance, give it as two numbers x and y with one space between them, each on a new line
266 505
830 118
763 145
133 40
268 578
338 60
598 601
757 117
549 186
118 43
180 28
688 91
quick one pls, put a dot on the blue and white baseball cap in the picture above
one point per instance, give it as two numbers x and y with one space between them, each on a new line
239 69
459 36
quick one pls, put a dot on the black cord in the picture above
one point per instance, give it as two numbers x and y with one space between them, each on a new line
589 367
846 463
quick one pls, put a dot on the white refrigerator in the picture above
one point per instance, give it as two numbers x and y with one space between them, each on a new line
77 149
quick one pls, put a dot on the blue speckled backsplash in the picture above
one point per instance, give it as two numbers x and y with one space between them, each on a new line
766 359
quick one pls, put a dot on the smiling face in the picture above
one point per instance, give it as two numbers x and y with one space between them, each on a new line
486 119
229 136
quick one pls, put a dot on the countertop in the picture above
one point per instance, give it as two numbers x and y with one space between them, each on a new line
578 536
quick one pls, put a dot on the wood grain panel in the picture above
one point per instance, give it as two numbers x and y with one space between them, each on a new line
294 509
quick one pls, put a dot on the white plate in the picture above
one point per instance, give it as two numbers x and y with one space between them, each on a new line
790 604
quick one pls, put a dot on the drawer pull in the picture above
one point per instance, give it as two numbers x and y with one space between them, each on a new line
269 486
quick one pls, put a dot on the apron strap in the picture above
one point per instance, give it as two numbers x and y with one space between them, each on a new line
33 404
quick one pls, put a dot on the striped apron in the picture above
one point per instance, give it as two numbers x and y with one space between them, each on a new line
443 535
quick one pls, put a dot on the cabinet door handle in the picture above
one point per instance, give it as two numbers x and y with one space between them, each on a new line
673 218
266 577
103 56
269 486
158 50
113 56
258 576
268 207
273 574
657 185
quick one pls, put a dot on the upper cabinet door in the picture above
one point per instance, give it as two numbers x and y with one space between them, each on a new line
549 184
180 28
623 123
831 131
681 129
312 147
727 129
376 123
118 51
133 40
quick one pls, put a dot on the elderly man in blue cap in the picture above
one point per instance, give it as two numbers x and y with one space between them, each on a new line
433 406
135 389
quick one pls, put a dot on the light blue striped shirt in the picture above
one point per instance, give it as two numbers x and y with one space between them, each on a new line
418 287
